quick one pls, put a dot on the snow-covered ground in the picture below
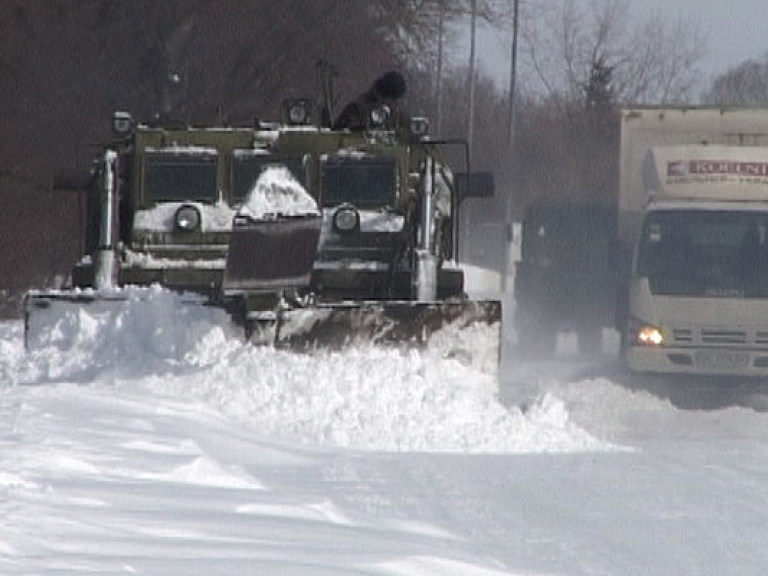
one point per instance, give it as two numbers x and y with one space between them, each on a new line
161 444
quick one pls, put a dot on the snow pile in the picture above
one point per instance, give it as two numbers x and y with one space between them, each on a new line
277 193
134 330
155 342
168 446
373 399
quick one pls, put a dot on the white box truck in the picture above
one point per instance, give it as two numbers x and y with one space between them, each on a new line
693 212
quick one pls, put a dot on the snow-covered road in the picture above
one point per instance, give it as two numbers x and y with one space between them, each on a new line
176 456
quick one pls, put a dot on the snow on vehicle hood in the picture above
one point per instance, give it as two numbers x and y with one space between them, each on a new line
277 193
216 218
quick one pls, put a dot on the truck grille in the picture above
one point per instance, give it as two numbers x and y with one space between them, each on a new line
682 335
719 337
723 337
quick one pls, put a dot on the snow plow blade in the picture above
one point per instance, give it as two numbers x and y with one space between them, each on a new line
466 328
45 312
63 318
336 325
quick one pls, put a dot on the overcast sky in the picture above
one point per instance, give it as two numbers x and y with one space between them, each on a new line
735 30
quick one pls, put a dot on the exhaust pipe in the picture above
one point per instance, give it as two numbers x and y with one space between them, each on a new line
105 265
425 279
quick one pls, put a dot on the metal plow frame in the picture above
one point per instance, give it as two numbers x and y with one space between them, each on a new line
46 311
400 322
39 307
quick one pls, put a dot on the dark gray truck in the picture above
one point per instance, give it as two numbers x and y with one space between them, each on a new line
566 280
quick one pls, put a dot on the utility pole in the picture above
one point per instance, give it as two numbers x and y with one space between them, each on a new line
439 83
471 111
513 76
508 267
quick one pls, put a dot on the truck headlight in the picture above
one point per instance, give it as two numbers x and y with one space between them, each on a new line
380 116
122 123
647 334
650 335
420 127
187 218
298 112
346 219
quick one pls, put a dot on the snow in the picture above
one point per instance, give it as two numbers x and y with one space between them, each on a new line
277 193
371 221
161 218
376 221
156 441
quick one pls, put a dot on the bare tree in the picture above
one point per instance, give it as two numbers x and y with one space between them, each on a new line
655 61
742 85
661 62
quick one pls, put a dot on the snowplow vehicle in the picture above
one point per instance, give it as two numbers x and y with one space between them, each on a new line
307 235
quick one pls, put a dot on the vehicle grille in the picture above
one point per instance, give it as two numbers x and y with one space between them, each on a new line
682 336
723 337
719 337
761 338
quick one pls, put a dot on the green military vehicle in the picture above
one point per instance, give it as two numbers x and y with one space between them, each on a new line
304 233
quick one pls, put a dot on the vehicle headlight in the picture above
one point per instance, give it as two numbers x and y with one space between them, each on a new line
380 116
420 127
187 218
122 123
346 219
647 334
299 113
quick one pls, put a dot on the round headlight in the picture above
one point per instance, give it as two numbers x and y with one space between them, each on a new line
187 218
346 219
380 116
298 113
122 123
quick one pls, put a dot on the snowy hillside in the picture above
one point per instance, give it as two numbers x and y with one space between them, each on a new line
159 443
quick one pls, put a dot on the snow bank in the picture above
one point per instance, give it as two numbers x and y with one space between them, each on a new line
368 398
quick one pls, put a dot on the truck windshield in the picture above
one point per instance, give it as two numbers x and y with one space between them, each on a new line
181 176
361 181
705 253
574 238
247 167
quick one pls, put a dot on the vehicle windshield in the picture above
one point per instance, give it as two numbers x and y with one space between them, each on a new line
576 239
705 253
247 167
363 182
181 176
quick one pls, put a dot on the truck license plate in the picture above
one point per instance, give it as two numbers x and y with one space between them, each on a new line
722 360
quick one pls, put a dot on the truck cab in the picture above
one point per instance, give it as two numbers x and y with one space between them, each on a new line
698 295
565 280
